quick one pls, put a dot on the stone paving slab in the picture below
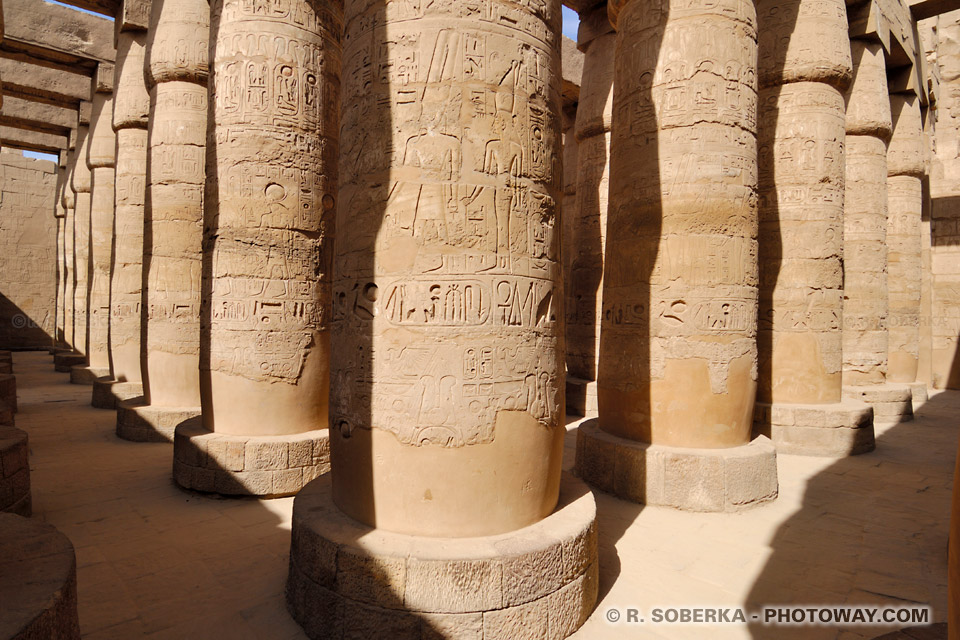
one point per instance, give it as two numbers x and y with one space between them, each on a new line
155 561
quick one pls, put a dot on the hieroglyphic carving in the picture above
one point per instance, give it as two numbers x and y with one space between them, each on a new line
272 152
450 176
682 188
905 169
176 70
804 63
130 118
868 126
101 159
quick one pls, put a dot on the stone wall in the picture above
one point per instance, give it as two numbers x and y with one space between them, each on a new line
28 252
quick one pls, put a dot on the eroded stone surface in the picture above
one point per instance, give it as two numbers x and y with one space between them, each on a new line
446 348
837 429
38 581
540 579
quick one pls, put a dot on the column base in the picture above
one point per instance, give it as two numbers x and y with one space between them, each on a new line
87 375
920 394
8 391
265 466
689 479
581 396
139 422
6 415
65 361
350 580
14 472
38 581
107 393
837 430
6 367
891 403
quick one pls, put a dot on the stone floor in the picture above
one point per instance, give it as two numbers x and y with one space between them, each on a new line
157 562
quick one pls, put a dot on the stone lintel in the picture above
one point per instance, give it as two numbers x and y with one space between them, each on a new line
831 430
689 479
33 140
47 26
33 80
267 466
536 582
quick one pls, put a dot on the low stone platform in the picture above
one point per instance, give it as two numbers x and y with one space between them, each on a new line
38 582
14 473
690 479
82 374
266 466
8 391
350 580
834 430
920 393
581 396
140 422
65 361
891 402
108 392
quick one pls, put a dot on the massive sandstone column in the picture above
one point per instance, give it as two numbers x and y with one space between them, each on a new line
905 170
81 233
866 302
447 356
678 351
101 158
69 199
60 213
597 40
801 184
131 107
176 68
268 249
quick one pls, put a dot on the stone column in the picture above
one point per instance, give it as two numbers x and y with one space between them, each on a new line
69 204
866 302
176 69
101 158
268 250
447 355
81 234
905 170
678 352
131 107
801 179
597 40
60 213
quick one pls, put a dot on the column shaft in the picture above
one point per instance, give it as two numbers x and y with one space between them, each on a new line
81 186
447 353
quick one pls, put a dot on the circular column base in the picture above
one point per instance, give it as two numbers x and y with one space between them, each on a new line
919 393
87 375
8 391
690 479
65 361
14 472
831 430
107 393
6 415
891 403
265 466
38 582
350 580
140 422
6 367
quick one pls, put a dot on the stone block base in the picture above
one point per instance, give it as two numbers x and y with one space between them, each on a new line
348 580
140 422
65 361
6 415
266 466
87 375
729 479
8 391
891 403
38 581
6 367
919 393
14 472
107 393
581 396
832 430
